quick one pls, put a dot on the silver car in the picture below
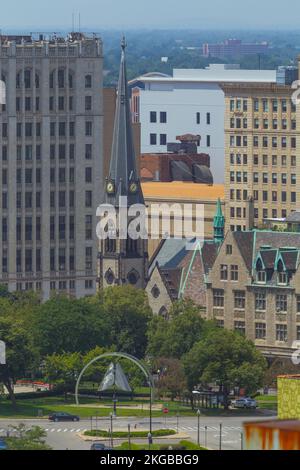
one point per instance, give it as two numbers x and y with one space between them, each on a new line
245 403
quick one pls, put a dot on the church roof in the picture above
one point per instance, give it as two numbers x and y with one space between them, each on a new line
123 168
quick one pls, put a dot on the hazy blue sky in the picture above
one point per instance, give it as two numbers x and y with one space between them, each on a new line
213 14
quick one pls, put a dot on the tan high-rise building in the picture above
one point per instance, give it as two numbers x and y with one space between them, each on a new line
262 171
51 163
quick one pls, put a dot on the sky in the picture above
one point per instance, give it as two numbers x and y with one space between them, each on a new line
35 15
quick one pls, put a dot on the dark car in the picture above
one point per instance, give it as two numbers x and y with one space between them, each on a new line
3 445
63 417
99 446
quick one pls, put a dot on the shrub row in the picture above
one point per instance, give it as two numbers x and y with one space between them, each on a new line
121 434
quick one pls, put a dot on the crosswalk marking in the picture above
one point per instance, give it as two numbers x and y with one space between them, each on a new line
208 428
180 428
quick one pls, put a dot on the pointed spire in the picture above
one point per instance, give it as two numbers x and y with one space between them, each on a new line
123 175
219 223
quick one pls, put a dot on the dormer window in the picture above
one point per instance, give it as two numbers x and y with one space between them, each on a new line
282 277
261 276
260 272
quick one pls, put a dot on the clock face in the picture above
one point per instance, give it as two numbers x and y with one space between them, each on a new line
110 188
133 188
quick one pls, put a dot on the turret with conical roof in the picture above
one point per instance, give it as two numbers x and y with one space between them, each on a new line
123 178
219 223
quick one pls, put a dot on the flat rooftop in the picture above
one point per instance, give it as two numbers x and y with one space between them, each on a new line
214 73
182 191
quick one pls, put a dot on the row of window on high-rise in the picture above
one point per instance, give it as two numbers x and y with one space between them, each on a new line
57 199
239 123
54 285
265 160
60 227
56 175
61 151
27 130
281 330
265 105
28 104
28 79
59 261
265 178
239 296
263 141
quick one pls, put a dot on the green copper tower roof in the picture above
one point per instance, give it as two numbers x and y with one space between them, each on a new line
219 223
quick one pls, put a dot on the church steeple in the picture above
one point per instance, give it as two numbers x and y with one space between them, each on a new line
123 178
219 223
123 259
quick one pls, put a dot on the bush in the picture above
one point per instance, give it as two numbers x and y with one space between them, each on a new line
121 434
37 395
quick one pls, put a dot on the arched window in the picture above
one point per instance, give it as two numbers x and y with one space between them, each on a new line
280 266
133 277
163 312
109 276
131 246
282 274
110 245
260 272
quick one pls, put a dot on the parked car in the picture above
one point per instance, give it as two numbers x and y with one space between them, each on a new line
63 417
99 446
249 403
3 445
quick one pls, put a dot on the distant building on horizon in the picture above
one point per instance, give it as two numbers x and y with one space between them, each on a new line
233 48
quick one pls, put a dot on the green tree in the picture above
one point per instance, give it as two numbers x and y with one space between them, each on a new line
127 315
171 377
27 439
226 358
64 325
177 336
20 355
62 370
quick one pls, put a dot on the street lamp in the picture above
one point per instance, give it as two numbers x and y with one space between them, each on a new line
111 429
198 434
150 440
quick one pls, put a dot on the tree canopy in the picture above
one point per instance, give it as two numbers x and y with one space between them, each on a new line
226 358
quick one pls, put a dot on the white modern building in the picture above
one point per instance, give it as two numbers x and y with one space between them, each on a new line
190 101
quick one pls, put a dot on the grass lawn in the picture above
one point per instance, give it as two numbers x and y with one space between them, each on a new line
267 401
29 408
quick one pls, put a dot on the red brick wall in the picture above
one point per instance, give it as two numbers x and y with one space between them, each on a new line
153 162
